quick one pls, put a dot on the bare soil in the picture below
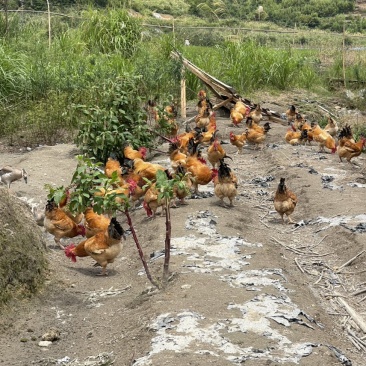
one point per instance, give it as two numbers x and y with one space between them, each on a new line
245 289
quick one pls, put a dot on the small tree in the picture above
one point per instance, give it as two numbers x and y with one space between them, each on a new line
88 180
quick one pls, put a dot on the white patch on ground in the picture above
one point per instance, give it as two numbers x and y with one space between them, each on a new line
189 331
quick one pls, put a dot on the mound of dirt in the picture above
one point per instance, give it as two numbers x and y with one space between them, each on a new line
22 250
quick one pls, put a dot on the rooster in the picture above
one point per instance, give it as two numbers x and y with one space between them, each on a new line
196 165
130 153
284 201
348 148
103 247
58 224
225 183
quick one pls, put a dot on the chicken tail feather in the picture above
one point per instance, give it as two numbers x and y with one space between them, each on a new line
69 252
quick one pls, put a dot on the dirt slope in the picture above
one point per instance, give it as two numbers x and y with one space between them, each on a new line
246 289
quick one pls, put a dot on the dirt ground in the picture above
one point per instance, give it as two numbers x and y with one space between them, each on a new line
246 289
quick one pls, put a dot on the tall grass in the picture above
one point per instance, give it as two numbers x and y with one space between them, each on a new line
248 66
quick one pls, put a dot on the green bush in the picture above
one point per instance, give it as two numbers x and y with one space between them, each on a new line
116 117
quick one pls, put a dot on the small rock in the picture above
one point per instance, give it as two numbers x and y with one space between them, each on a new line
185 287
44 343
29 149
51 335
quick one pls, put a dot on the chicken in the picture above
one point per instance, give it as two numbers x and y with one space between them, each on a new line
294 137
225 183
323 139
184 138
113 165
236 117
168 121
103 247
152 201
130 153
238 113
331 127
215 152
238 141
176 157
285 201
58 224
255 137
256 114
347 147
94 223
183 184
136 187
9 174
196 165
291 114
206 137
203 118
145 169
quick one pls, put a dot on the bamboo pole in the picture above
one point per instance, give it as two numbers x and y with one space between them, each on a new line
344 55
49 23
183 98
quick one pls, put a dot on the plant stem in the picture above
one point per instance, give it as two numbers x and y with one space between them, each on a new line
168 235
148 274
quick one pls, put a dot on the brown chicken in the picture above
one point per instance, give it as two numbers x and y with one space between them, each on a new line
331 127
145 169
323 139
63 204
196 165
94 223
206 137
236 117
182 186
136 187
225 183
103 247
256 137
176 156
347 147
132 154
256 114
215 152
285 201
152 202
57 223
238 141
294 137
291 114
113 165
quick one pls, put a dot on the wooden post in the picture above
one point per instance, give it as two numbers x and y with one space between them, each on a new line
183 102
344 55
49 24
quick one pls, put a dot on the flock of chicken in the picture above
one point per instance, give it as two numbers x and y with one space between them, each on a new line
188 169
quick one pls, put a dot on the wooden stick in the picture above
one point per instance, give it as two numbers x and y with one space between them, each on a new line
314 245
359 292
350 261
298 264
353 313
